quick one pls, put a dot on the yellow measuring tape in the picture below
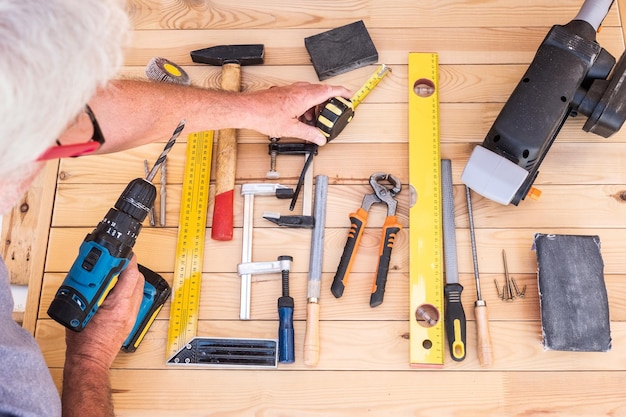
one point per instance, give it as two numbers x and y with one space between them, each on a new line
369 85
425 222
190 245
339 111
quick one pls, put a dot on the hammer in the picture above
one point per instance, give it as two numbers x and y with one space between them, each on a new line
230 58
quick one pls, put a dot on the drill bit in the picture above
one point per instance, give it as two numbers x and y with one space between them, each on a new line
163 192
166 150
151 215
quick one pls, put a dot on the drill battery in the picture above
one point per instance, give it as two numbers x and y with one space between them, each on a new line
155 292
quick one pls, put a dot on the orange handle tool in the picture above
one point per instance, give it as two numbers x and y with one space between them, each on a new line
390 231
357 225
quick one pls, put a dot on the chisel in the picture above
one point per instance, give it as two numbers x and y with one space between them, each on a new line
454 314
312 335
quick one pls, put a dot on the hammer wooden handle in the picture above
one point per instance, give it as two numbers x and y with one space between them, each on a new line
226 163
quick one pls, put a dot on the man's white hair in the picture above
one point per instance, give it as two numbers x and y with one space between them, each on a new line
54 54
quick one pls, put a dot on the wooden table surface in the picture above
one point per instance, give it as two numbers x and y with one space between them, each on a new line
484 47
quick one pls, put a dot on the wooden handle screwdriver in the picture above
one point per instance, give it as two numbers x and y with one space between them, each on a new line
485 348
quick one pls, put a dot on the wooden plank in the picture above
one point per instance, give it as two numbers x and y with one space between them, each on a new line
343 394
490 242
219 290
458 83
153 244
342 199
25 236
593 163
285 47
593 205
326 14
370 346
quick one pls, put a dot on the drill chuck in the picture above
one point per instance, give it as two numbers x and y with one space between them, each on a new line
102 256
137 199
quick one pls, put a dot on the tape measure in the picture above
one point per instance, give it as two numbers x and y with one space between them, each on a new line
339 111
369 85
425 221
190 245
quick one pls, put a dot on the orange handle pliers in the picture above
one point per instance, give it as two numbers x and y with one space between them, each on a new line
358 220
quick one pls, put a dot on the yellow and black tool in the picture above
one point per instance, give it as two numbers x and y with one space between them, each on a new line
339 111
455 322
426 329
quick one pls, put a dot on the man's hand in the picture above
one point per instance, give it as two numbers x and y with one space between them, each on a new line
101 340
90 353
131 112
290 111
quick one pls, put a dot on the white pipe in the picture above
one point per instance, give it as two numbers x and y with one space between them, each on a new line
594 12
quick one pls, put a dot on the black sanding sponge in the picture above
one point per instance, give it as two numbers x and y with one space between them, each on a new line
341 50
572 293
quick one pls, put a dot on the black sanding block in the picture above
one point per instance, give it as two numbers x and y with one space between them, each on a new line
341 50
572 293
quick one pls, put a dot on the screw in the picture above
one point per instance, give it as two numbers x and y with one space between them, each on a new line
500 293
519 293
507 281
272 173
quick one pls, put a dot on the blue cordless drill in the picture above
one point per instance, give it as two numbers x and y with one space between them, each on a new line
102 256
105 253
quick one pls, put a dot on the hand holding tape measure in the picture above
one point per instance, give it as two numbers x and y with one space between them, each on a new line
338 111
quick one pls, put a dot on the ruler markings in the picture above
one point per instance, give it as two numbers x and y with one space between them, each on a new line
190 244
425 224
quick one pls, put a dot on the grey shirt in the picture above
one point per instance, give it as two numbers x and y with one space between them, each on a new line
26 386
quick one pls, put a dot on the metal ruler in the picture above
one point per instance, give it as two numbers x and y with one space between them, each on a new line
190 245
425 224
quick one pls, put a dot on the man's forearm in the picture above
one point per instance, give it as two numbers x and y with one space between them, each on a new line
86 389
133 113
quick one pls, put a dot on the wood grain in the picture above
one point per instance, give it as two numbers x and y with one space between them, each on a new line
484 48
24 239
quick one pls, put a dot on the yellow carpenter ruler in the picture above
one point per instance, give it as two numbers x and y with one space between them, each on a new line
190 246
425 221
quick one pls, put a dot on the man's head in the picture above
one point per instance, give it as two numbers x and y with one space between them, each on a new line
55 54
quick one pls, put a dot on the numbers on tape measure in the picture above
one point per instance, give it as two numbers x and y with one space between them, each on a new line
369 85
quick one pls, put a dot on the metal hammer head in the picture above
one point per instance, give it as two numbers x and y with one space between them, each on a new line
230 54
